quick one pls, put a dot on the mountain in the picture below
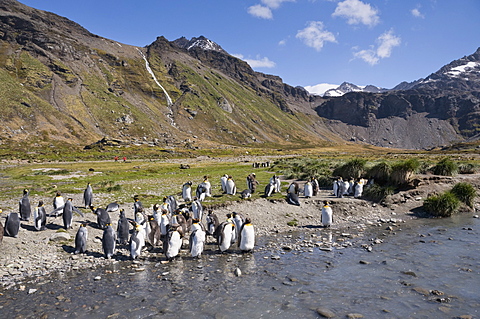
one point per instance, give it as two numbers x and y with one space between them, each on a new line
346 87
59 82
436 111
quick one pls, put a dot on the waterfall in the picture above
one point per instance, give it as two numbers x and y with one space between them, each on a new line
169 100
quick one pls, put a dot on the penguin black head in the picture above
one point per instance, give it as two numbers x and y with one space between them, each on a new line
40 203
25 191
248 221
156 207
229 215
326 202
195 220
59 194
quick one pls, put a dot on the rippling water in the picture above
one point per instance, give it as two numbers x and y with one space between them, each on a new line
395 280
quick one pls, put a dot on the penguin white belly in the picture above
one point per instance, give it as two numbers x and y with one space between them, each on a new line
308 191
231 189
226 237
164 225
136 245
187 193
197 244
327 216
174 245
223 182
248 238
358 190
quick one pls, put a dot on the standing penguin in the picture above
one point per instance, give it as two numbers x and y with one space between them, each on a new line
2 230
238 220
225 232
187 191
103 218
315 185
67 215
293 188
246 240
137 240
58 201
327 214
197 242
39 216
25 209
359 189
155 234
230 186
208 186
173 242
81 239
123 228
12 225
197 209
88 196
201 191
164 224
212 222
275 180
223 183
269 189
108 241
136 204
308 189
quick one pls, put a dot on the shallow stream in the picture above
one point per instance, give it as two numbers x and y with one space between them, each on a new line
426 268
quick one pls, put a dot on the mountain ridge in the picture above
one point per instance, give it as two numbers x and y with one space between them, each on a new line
59 82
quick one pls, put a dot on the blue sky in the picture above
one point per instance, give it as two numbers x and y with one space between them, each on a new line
305 42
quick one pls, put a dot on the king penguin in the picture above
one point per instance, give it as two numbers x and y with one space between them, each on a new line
81 239
123 228
2 230
103 218
88 196
58 201
225 233
137 241
173 242
269 189
230 186
108 241
197 239
327 214
12 225
25 209
212 223
40 216
308 189
293 199
246 241
187 191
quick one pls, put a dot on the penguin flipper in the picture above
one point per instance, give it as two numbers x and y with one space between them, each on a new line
75 209
55 213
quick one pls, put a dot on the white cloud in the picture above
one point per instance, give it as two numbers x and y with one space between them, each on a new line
275 4
265 11
315 36
260 11
321 88
417 14
386 42
282 42
258 62
357 12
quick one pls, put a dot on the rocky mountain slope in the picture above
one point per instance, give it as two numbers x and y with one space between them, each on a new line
436 111
59 83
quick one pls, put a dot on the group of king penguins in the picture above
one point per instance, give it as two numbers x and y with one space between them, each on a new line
167 227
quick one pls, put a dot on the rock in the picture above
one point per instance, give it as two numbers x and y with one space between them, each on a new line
325 312
62 236
32 291
97 278
363 262
275 257
422 291
409 273
354 316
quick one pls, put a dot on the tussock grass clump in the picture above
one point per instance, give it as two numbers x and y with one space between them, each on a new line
465 192
446 167
403 172
467 168
53 172
380 173
443 205
354 168
377 193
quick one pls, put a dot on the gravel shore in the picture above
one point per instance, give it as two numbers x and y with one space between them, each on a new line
38 253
